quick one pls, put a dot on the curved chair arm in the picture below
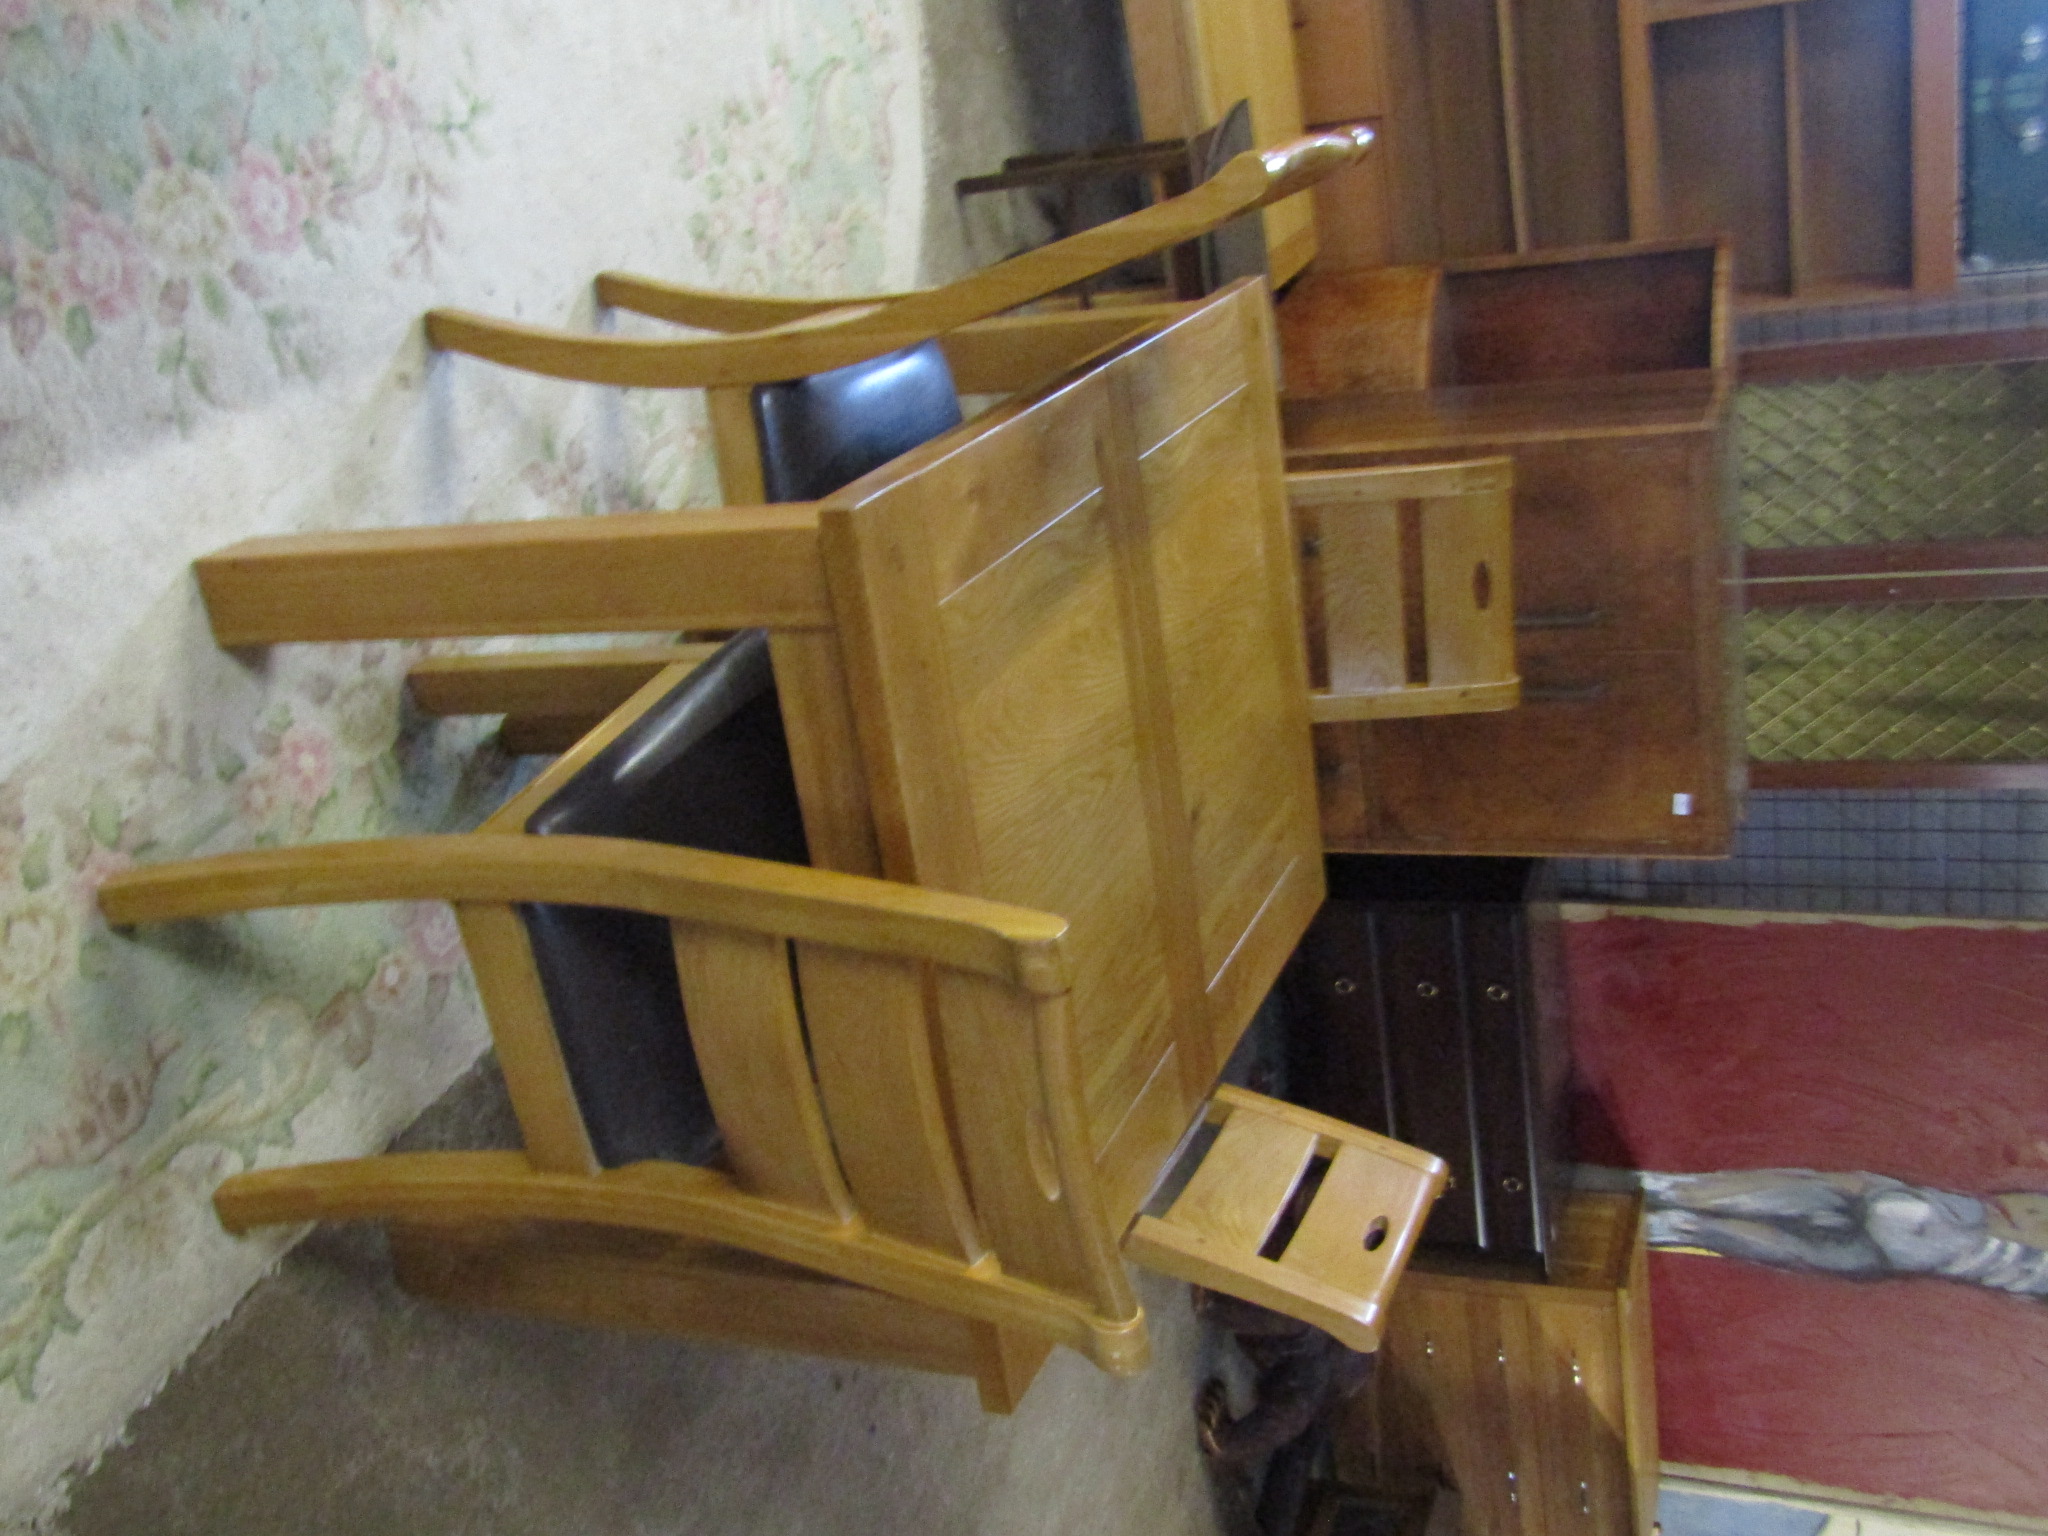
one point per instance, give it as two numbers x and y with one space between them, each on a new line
1017 945
836 338
708 309
699 1203
757 357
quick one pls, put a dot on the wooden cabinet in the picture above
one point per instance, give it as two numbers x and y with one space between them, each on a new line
1537 1401
1603 376
1426 1003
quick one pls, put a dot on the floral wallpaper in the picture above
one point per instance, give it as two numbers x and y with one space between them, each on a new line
219 221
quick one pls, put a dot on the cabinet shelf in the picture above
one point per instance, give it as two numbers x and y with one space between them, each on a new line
1820 134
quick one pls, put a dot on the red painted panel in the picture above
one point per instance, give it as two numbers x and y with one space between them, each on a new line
1916 1388
1920 1053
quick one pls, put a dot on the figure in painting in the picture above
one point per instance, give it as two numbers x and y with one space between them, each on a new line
1862 1226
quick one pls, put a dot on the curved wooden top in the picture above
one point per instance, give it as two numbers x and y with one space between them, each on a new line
819 334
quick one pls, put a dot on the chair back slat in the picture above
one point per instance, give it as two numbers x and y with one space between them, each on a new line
1359 550
741 1004
869 1023
1355 1201
998 1082
1363 1186
1411 587
1242 1186
1468 599
551 1121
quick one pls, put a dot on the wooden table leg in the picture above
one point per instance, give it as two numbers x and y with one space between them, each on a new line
727 568
824 752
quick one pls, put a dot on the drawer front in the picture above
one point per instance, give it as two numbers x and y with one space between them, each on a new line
1444 1408
1585 1420
1496 998
1589 763
1514 1399
1508 1370
1429 1057
1606 541
1336 1038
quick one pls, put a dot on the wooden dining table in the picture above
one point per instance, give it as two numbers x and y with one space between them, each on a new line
1052 658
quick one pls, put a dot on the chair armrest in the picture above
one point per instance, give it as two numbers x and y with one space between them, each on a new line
1017 945
576 683
641 363
815 344
708 309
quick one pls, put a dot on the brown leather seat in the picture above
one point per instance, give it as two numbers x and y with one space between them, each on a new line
707 767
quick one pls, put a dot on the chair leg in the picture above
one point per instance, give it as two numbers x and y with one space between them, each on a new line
725 569
1009 1361
550 699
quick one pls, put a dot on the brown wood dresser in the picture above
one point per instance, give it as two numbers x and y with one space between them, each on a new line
1536 1400
1426 1003
1604 374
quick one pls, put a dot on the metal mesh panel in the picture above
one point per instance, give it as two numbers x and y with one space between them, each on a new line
1936 453
1901 681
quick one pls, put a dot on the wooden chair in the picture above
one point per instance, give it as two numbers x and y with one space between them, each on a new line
1296 1212
1171 167
806 395
938 1113
884 1076
1408 590
874 1200
780 338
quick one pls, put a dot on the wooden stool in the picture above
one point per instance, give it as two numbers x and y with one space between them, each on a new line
1407 586
1297 1212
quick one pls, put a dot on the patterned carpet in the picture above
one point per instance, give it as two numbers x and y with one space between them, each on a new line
218 227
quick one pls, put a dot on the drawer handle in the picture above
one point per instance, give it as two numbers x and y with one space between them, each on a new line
1562 693
1578 1373
1511 1184
1497 993
1562 618
1514 1493
1428 1347
1585 1500
1343 986
1427 989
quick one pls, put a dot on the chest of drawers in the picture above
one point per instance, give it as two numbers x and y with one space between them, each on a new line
1426 1003
1537 1401
1603 376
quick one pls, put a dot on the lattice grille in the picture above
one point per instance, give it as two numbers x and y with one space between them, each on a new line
1953 453
1902 681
